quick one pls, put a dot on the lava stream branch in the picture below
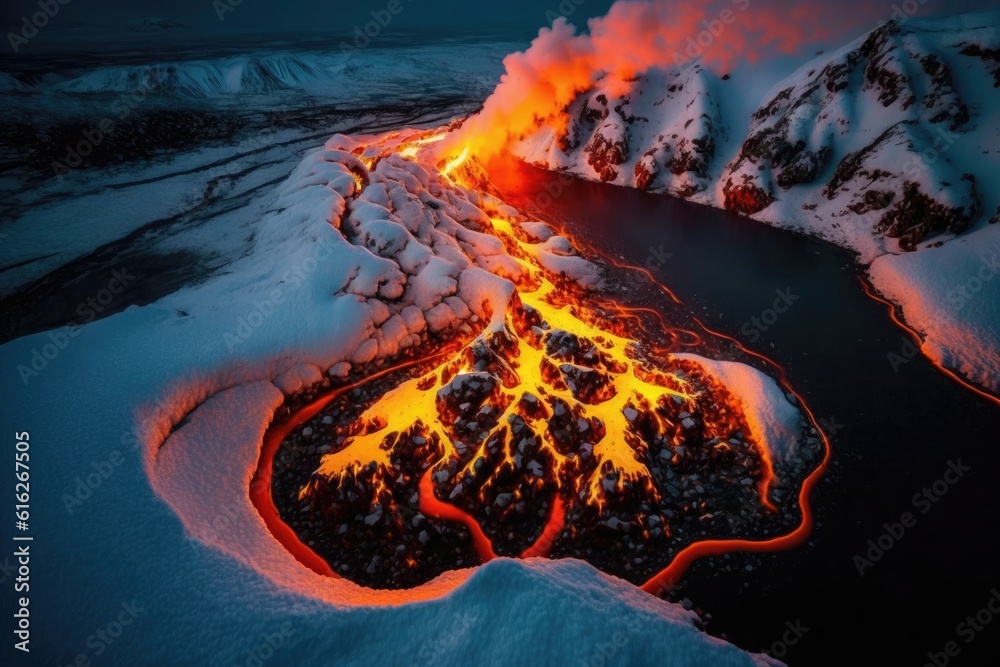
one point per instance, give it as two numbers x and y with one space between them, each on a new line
565 427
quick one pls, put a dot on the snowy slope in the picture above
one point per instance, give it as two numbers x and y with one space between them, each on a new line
10 84
861 140
661 135
330 73
886 146
177 395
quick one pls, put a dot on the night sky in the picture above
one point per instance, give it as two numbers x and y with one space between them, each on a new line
316 17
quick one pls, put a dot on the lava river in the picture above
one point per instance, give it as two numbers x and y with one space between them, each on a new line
562 421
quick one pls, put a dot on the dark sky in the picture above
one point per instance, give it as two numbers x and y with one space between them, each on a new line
323 17
312 16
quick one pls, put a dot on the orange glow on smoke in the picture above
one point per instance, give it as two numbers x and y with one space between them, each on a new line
633 37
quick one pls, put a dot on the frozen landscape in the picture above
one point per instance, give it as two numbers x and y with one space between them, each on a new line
304 386
887 147
269 298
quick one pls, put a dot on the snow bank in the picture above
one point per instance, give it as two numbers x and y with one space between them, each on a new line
886 146
952 295
774 422
181 392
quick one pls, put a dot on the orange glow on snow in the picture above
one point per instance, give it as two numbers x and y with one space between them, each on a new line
635 36
636 381
919 343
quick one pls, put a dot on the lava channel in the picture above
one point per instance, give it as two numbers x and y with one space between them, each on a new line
552 431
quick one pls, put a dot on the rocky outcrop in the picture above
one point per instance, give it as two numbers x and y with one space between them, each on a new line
661 135
745 198
915 215
608 148
861 138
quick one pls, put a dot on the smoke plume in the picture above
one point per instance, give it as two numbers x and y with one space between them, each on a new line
633 37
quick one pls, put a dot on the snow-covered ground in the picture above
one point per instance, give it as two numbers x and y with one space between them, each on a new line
146 425
171 525
887 146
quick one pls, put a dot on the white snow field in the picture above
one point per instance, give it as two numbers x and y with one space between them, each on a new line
146 427
888 147
334 74
210 187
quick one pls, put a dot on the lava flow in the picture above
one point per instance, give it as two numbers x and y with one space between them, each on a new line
554 430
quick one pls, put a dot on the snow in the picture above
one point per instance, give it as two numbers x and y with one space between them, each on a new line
886 146
191 383
332 74
10 84
538 231
181 541
774 423
952 295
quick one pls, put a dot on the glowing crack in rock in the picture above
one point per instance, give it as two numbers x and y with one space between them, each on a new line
553 431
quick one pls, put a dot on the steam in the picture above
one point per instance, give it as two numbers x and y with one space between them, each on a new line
633 37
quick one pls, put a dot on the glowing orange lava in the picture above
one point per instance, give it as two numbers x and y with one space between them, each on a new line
528 382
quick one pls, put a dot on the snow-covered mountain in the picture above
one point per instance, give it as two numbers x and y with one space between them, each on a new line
885 144
251 74
663 134
328 71
9 83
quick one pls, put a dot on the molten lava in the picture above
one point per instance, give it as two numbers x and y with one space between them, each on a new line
555 430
